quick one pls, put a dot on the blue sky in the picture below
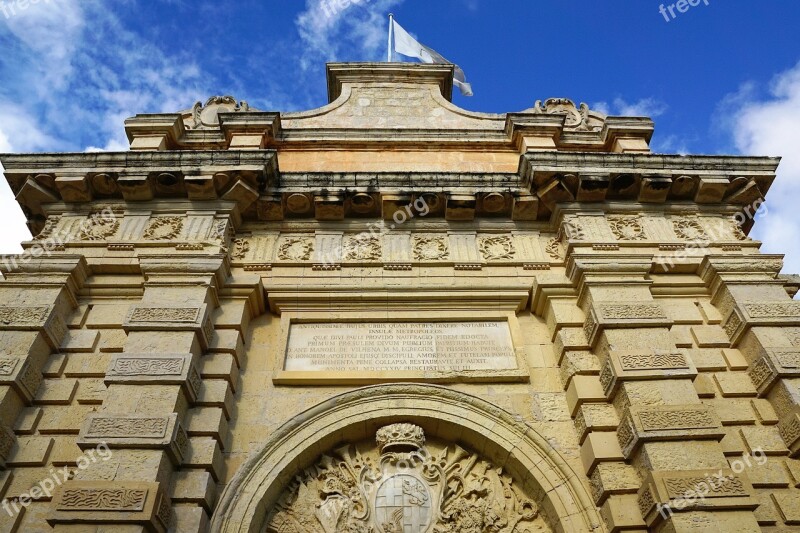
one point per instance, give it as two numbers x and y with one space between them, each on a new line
720 78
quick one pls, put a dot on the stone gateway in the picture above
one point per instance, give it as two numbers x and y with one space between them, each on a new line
393 315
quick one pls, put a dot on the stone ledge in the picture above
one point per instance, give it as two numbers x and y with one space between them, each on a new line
135 432
155 369
117 502
667 423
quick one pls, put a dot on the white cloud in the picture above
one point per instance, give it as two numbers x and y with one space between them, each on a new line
327 30
646 107
11 218
768 126
72 74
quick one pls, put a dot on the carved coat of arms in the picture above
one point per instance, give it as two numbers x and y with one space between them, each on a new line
404 488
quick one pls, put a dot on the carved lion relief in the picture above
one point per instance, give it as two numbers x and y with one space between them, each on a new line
401 485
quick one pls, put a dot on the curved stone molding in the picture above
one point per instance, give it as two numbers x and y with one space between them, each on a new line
443 413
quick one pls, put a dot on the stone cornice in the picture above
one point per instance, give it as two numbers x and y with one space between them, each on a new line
340 73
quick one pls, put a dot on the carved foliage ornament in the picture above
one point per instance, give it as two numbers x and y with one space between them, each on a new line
403 487
430 248
627 228
296 249
689 229
99 227
362 249
493 248
164 228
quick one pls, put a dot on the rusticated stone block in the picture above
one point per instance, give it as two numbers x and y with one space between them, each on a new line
205 453
102 502
208 422
598 448
788 505
666 423
136 431
152 369
749 314
620 513
631 365
42 318
595 417
613 478
194 486
624 315
161 318
774 364
7 440
21 375
692 490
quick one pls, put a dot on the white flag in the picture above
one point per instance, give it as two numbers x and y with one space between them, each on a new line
405 44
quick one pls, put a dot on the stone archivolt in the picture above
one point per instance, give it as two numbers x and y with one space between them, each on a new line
404 486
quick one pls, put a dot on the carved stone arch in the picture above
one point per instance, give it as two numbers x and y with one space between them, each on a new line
443 413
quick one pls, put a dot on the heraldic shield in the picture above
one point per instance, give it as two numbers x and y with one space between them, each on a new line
404 486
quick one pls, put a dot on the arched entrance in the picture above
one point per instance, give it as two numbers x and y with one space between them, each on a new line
444 415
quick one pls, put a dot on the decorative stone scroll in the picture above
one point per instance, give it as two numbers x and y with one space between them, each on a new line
136 431
42 318
692 490
667 422
21 375
119 502
749 314
152 369
143 317
624 315
404 485
632 365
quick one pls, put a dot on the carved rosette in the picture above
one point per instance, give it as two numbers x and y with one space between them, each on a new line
404 486
627 228
494 248
164 228
430 248
362 249
296 249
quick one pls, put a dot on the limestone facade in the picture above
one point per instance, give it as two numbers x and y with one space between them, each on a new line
391 314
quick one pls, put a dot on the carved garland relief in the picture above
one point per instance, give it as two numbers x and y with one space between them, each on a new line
404 486
430 248
164 228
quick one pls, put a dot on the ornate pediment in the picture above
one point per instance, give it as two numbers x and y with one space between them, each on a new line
404 485
579 118
204 117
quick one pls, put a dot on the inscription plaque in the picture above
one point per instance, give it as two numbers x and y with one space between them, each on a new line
400 347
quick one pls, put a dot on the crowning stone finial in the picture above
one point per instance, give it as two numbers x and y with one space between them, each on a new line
401 436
